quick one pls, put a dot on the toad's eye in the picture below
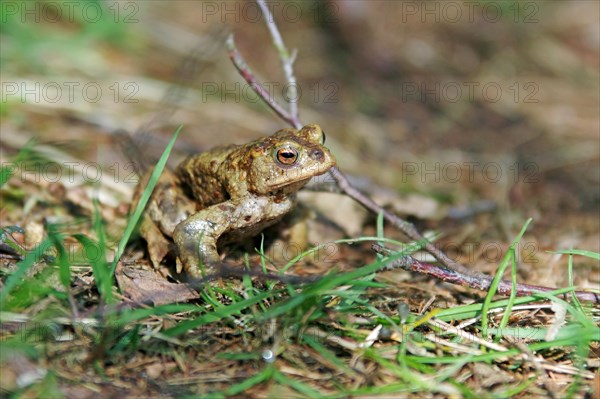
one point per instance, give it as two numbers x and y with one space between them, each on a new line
286 155
323 137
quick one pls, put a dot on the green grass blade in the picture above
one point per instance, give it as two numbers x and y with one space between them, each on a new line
327 354
248 383
325 285
406 249
102 269
474 310
134 315
8 169
31 258
219 314
64 266
513 294
296 385
498 277
133 220
99 266
588 254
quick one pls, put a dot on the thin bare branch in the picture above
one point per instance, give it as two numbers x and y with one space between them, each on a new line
474 280
404 226
244 70
287 62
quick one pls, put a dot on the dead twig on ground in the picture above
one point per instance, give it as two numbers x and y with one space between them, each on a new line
478 281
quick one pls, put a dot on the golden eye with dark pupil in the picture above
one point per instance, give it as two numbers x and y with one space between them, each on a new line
287 156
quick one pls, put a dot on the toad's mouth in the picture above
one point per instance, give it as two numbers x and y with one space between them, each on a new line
293 175
299 178
290 188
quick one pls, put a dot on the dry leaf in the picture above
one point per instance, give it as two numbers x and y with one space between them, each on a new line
148 287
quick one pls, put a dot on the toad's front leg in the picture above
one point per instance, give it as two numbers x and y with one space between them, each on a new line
196 237
196 240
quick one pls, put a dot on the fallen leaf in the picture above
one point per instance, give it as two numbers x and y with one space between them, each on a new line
149 287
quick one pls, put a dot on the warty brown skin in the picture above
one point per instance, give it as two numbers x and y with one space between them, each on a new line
229 193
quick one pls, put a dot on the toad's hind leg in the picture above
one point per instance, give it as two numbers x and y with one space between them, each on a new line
157 244
166 208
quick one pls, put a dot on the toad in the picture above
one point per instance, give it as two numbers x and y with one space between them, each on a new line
228 194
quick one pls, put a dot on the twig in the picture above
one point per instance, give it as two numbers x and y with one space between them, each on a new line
479 281
287 62
453 271
404 226
244 70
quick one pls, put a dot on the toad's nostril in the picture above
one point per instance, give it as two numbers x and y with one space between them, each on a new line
317 155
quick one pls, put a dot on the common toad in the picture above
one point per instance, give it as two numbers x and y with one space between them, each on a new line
228 194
